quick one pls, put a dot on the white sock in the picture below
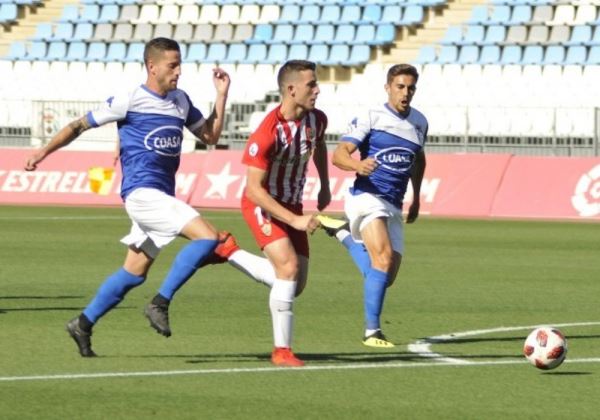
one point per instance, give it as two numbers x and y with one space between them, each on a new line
342 234
281 300
255 267
370 332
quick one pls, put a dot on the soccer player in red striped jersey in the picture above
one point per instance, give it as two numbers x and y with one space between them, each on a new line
277 155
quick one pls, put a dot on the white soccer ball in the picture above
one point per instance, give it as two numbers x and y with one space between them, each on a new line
545 348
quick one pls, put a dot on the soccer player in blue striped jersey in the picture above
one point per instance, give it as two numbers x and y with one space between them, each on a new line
390 140
150 120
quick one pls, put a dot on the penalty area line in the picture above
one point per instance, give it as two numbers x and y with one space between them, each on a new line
104 375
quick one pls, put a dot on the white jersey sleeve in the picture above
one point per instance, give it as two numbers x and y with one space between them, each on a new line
358 128
113 109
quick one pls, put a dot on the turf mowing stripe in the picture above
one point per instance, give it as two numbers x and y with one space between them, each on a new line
272 369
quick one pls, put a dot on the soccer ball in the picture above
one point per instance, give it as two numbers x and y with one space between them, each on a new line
545 348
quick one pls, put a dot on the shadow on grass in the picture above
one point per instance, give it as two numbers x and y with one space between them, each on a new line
39 297
567 373
495 339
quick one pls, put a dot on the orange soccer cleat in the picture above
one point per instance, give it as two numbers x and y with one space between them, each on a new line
283 356
227 246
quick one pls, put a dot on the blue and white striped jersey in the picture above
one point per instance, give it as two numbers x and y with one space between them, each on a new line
150 131
393 141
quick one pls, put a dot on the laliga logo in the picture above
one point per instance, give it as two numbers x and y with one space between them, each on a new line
165 140
586 199
396 159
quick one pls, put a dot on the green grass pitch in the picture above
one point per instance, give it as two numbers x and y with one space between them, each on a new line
458 276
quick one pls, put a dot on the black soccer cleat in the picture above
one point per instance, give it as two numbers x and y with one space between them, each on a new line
82 338
332 226
158 315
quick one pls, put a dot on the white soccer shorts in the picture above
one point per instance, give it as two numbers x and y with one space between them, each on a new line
363 208
157 219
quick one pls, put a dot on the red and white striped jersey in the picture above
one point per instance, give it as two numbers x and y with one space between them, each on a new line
283 149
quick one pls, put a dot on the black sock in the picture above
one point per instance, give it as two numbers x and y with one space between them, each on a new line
160 300
85 324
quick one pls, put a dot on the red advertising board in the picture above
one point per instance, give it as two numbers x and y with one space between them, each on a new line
550 187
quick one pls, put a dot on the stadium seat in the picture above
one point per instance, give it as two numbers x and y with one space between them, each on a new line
283 33
542 14
344 34
89 14
249 14
391 13
412 15
495 34
263 33
595 38
520 15
564 14
452 36
142 32
236 53
183 32
163 30
209 13
123 32
196 52
594 56
76 51
310 14
256 54
318 53
108 14
96 51
324 34
242 32
57 51
148 14
384 34
216 52
426 55
277 54
538 34
469 54
303 34
479 15
85 31
17 51
63 32
116 52
298 52
36 51
190 13
365 34
474 35
223 33
580 35
290 14
586 14
359 55
500 15
490 54
43 32
559 34
9 13
230 13
350 13
576 54
511 54
331 13
203 33
371 14
516 34
269 13
169 13
448 54
135 52
338 55
70 14
129 13
533 54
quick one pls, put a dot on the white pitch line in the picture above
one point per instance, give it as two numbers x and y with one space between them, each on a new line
423 347
309 368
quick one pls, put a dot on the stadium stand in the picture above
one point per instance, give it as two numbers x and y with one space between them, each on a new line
475 58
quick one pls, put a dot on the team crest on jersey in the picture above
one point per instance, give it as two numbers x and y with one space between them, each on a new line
165 140
396 159
253 149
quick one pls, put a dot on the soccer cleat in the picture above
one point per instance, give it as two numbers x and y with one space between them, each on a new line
332 226
283 356
81 338
227 246
158 315
377 339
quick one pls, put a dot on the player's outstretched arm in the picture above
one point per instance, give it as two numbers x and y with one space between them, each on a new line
210 131
416 178
320 160
65 136
342 159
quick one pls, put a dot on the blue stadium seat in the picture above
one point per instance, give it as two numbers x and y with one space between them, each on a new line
345 33
43 32
554 54
576 54
448 54
452 36
96 51
474 36
521 14
263 32
500 15
310 14
426 55
495 34
90 14
392 13
57 51
83 32
533 54
257 53
284 33
298 52
412 15
595 38
135 52
323 34
116 52
371 14
490 54
511 54
63 32
580 35
196 52
304 33
70 13
109 13
350 14
216 52
594 56
469 54
8 13
331 13
479 15
277 54
236 53
36 51
338 55
318 53
290 13
17 51
77 51
365 34
384 34
359 54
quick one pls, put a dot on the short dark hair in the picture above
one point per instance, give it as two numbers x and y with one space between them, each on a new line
159 45
397 69
292 66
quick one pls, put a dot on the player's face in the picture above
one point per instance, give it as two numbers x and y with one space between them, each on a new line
166 70
400 92
305 89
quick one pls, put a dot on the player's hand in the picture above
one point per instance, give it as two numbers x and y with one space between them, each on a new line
413 212
324 198
306 222
221 80
366 166
31 163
